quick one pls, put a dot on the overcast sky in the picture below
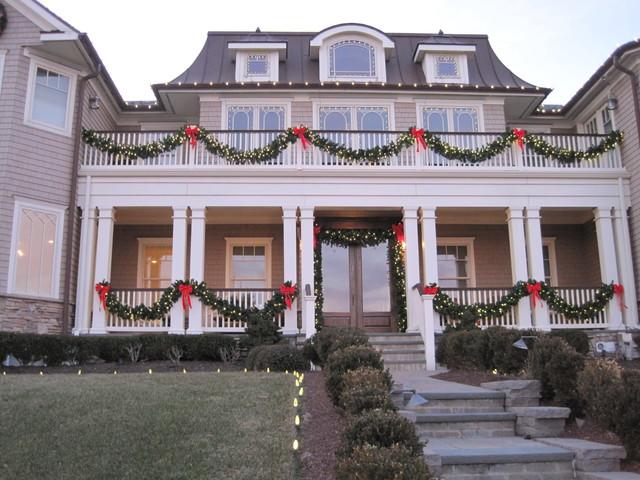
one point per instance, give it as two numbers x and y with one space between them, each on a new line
551 43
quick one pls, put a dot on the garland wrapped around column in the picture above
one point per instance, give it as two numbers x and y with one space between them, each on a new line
365 238
445 305
370 156
182 289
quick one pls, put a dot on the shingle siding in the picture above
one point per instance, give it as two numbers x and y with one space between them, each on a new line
494 120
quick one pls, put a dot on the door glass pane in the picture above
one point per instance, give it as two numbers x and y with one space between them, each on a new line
335 279
157 266
376 295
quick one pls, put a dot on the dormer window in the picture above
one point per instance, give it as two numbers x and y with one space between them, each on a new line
444 63
258 61
257 65
447 66
352 58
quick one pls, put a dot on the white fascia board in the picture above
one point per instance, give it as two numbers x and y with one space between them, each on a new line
40 16
280 47
440 48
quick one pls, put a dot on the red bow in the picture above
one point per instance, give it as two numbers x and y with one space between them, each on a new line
398 230
103 290
192 131
316 232
418 135
618 291
185 291
520 133
431 290
534 290
287 292
301 133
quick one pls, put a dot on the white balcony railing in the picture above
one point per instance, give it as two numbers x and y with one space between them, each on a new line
214 321
294 157
134 297
578 296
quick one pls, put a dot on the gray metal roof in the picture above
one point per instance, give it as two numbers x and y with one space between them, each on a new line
215 63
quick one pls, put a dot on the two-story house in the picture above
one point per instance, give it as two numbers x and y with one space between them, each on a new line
208 183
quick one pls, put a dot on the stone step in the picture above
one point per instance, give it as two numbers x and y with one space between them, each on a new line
497 458
590 456
405 365
408 344
461 402
396 338
463 425
416 355
608 476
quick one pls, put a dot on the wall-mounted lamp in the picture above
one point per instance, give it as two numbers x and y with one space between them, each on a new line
612 104
94 103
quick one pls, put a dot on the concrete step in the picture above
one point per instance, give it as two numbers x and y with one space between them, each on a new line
463 425
590 456
497 458
459 402
407 344
405 365
417 355
399 338
608 476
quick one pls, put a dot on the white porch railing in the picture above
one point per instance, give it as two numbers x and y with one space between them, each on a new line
469 296
213 321
577 296
313 158
133 297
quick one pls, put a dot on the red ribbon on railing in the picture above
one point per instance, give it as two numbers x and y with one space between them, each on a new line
316 232
287 292
301 133
192 131
534 291
520 133
418 135
102 290
398 230
186 290
618 291
430 290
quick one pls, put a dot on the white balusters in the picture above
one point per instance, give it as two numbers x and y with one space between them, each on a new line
244 299
470 296
577 296
134 297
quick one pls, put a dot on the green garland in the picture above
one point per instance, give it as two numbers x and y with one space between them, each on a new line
172 294
364 238
445 305
372 156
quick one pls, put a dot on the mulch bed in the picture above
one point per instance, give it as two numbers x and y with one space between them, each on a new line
321 430
140 367
471 377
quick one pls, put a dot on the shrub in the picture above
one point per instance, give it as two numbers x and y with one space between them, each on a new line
556 364
330 339
250 361
636 340
499 352
626 413
280 358
463 349
206 347
366 388
369 462
382 429
598 387
350 358
576 338
262 329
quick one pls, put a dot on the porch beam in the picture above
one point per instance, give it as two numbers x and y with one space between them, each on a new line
307 270
196 265
104 249
535 256
412 268
608 262
178 264
518 253
625 266
289 254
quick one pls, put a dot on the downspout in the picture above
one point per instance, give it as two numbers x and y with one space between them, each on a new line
634 90
73 195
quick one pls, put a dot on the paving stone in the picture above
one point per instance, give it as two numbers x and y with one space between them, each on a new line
536 422
519 393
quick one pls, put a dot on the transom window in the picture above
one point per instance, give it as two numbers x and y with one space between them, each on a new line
50 98
455 263
154 262
248 262
456 119
257 65
352 58
36 251
447 67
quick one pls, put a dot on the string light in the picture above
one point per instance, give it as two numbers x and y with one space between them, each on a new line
296 421
295 402
295 445
150 371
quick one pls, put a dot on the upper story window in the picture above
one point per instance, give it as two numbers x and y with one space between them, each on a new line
253 117
607 121
257 64
451 119
257 61
50 98
444 63
447 67
602 122
3 54
352 58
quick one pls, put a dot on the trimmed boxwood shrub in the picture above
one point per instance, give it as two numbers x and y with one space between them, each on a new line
369 462
576 338
329 339
280 358
462 349
599 387
382 429
626 413
499 352
366 388
250 361
349 358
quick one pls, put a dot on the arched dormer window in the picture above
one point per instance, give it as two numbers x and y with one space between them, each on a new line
352 58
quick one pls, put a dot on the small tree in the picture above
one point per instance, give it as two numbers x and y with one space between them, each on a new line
262 329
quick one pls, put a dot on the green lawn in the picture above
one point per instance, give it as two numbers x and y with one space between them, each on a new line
227 426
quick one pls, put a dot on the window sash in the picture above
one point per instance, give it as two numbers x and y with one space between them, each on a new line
450 119
50 98
248 254
255 117
257 65
355 46
443 63
457 257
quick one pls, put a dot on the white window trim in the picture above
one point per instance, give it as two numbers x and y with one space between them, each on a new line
241 66
31 84
466 242
353 104
429 66
59 212
381 67
231 242
450 105
3 56
550 243
254 103
144 242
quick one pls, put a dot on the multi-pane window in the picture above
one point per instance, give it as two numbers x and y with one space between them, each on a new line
607 122
456 119
257 65
50 98
447 67
455 264
591 126
352 58
248 263
36 251
371 119
256 117
155 268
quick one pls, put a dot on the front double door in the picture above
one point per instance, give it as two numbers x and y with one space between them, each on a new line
356 287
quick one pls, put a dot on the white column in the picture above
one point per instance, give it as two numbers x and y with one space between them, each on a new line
608 262
429 331
104 248
625 267
429 246
306 271
290 247
412 268
86 261
178 264
196 265
518 252
536 263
